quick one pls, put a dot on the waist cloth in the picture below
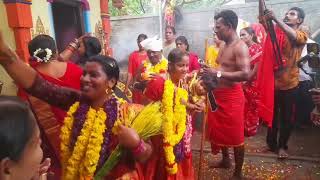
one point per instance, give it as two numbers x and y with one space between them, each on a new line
226 125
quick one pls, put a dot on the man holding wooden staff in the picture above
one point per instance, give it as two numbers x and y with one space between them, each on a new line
281 52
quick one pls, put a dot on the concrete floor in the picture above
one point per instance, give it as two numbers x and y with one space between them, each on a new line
303 164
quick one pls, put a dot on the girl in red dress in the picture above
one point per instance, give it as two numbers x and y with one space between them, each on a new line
171 158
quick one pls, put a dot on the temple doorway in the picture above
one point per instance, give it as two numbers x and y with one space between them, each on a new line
68 21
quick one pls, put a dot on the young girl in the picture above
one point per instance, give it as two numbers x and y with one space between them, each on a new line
171 158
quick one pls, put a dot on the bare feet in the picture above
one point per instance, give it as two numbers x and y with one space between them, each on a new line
224 164
282 154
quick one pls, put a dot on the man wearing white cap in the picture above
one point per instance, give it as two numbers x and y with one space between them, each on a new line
155 65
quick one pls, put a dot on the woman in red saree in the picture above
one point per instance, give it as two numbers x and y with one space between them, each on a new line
86 137
171 158
250 87
42 50
183 45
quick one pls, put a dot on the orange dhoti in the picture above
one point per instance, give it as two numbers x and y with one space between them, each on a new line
226 125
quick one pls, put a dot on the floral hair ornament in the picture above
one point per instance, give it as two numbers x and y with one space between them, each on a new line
45 59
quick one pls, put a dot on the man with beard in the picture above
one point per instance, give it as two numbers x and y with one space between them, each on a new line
226 124
291 41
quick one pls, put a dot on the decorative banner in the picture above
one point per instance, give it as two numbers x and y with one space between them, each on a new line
169 15
39 28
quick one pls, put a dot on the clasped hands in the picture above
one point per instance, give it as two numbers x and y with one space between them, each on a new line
208 77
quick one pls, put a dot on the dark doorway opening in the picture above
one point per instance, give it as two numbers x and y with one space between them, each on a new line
68 21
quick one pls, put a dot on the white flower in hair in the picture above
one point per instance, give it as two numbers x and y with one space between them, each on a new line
36 52
48 56
45 59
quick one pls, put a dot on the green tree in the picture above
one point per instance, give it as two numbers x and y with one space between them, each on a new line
131 7
140 7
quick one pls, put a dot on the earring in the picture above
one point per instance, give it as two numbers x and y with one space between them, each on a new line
109 91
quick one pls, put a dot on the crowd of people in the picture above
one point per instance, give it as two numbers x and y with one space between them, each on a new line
250 81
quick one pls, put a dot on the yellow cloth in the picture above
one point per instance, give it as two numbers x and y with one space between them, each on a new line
211 56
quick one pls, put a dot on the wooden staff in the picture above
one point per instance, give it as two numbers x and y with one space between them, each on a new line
203 135
274 40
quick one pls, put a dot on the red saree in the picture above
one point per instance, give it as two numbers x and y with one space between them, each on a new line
50 118
71 79
266 78
251 93
193 62
62 97
226 125
155 166
135 60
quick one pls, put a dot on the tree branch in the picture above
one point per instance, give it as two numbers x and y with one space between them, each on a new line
187 2
225 2
141 6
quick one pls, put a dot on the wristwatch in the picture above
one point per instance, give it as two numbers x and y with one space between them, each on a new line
219 74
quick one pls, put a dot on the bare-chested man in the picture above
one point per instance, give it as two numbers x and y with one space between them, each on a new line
226 126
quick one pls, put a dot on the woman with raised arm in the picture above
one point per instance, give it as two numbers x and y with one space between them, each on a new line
86 46
44 59
87 138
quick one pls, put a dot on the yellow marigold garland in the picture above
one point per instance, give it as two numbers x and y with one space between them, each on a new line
73 164
92 155
174 124
82 162
65 135
161 67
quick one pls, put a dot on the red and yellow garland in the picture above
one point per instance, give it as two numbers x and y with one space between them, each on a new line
159 68
174 123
